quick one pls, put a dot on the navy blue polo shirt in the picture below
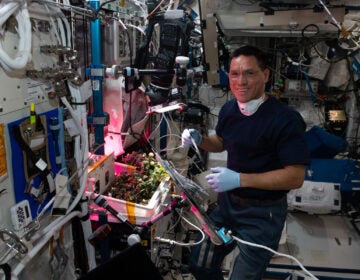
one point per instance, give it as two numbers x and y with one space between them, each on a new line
271 138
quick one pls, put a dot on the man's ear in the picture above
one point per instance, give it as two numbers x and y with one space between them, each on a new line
267 74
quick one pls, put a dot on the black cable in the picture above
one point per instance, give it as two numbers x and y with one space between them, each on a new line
80 254
96 12
78 103
7 270
114 132
306 29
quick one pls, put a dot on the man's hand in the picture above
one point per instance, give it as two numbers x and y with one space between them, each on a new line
190 135
223 179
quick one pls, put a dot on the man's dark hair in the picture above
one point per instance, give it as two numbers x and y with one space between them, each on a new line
247 50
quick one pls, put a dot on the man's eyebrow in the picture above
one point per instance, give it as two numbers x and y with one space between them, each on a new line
243 70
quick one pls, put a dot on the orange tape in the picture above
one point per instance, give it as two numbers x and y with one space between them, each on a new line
130 209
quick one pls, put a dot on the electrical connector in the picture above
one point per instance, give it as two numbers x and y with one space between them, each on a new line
225 235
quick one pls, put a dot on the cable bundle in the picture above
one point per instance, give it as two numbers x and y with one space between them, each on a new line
23 55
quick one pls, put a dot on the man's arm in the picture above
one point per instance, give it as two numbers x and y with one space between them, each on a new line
287 178
212 143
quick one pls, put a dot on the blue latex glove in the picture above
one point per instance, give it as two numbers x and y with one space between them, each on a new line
223 179
190 135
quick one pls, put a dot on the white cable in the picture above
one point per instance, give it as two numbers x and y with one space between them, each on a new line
68 7
137 28
197 150
52 229
170 149
62 32
275 253
175 126
139 4
331 16
343 31
167 124
82 146
51 201
41 232
79 153
121 23
23 56
152 134
190 244
170 134
57 35
68 32
83 138
7 9
177 221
